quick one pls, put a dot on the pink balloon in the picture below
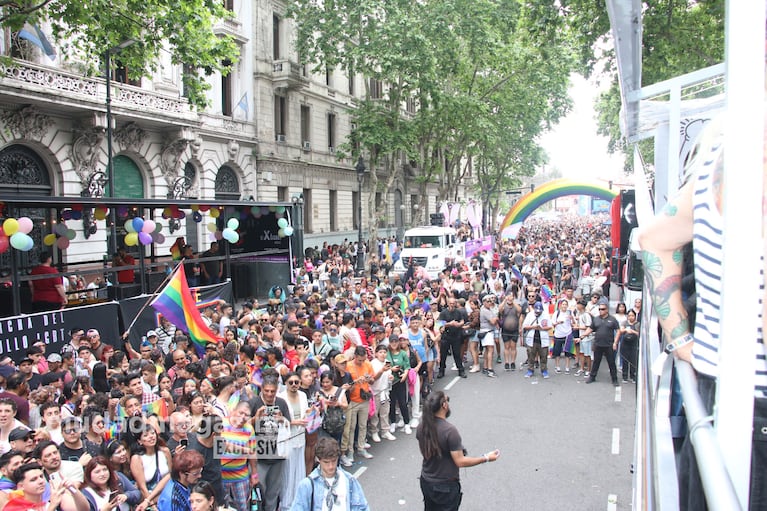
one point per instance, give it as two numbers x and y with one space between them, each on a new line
25 225
62 243
218 235
144 238
149 226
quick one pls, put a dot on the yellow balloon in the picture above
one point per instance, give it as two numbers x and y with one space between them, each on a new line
100 214
215 213
11 225
212 227
194 207
131 239
49 239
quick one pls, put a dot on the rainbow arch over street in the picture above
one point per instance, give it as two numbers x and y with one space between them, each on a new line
550 191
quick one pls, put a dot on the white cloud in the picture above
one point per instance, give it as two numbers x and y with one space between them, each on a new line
573 145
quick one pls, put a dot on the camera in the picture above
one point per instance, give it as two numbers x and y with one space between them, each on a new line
116 394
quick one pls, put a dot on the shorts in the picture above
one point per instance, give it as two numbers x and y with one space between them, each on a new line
587 349
431 354
488 339
509 337
559 343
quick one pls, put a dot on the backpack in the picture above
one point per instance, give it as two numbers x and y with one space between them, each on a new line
334 419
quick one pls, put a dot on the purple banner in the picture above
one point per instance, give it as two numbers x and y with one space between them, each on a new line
478 245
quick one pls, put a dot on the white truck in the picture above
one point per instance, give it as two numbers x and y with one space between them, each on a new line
429 247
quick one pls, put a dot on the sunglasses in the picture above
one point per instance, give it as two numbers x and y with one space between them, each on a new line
293 382
603 308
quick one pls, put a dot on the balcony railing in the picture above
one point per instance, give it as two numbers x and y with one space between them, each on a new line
289 75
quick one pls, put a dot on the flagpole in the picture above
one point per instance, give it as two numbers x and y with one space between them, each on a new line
152 296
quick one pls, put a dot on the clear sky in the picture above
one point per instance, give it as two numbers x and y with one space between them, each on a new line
573 145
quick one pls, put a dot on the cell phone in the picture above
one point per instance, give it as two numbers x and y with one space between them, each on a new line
184 442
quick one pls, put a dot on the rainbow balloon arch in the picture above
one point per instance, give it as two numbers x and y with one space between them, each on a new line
555 189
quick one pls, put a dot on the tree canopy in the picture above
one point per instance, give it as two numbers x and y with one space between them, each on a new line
468 85
85 30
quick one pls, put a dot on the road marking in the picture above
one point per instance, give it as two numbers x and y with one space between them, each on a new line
618 394
450 385
616 441
359 472
612 502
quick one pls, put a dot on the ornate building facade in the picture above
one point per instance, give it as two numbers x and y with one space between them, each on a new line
270 133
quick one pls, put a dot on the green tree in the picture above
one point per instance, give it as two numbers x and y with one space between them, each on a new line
85 29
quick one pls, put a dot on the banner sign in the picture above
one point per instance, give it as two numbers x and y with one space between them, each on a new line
20 332
149 319
478 245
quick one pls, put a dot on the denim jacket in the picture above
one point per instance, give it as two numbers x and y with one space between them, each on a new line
312 489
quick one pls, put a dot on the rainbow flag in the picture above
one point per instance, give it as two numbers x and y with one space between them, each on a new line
546 293
175 302
516 273
158 407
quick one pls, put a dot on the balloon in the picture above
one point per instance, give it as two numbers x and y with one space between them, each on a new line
122 211
226 232
66 214
71 234
129 226
131 239
49 239
197 217
194 207
282 223
138 224
215 213
255 211
179 214
4 244
62 243
204 208
264 210
20 241
100 214
158 238
279 210
288 231
234 238
272 208
145 238
217 235
61 229
76 215
77 207
230 235
25 225
158 227
212 227
281 233
149 226
167 212
233 224
10 226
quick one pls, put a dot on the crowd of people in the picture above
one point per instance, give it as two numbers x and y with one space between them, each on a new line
307 380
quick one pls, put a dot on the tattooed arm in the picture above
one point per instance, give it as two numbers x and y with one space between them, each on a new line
662 240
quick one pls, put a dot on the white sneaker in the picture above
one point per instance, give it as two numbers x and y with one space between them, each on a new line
454 368
347 461
365 454
474 369
400 423
408 430
374 437
388 436
367 445
392 428
414 423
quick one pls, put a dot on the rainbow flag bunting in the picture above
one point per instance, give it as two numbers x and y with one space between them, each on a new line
158 407
175 302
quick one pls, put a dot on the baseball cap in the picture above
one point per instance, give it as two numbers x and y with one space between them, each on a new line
54 357
25 360
19 434
538 307
151 333
340 359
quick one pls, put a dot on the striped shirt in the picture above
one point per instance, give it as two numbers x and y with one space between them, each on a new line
234 464
708 250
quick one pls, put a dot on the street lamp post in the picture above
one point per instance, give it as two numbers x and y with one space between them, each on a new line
360 168
298 227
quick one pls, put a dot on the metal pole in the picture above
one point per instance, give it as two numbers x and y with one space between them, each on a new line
360 252
112 243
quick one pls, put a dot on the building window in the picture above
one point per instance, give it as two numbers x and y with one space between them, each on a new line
410 105
308 227
329 77
376 89
121 74
228 5
276 29
306 139
331 132
351 82
280 117
282 194
354 138
333 209
226 94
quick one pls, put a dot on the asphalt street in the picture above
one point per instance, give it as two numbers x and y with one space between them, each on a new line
564 445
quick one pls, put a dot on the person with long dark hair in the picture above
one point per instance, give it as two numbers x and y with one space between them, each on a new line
443 454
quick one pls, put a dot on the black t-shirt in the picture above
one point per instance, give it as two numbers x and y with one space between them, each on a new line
604 330
457 314
69 454
211 468
442 468
256 403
